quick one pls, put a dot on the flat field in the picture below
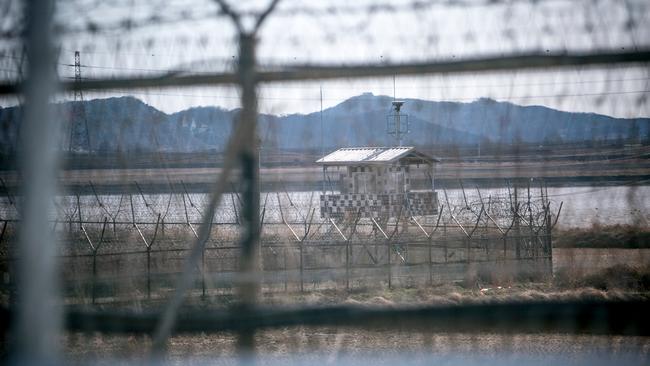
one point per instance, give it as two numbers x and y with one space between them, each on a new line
383 346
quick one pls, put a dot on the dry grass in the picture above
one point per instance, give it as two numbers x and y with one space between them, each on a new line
619 277
616 283
599 236
333 344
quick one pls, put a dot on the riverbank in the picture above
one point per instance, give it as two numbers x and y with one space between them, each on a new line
293 179
603 236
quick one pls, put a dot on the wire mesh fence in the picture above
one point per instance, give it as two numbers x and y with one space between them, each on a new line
165 203
132 240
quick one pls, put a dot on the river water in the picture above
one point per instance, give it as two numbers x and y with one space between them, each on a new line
582 207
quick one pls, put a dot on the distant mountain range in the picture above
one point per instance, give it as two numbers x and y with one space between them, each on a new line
128 124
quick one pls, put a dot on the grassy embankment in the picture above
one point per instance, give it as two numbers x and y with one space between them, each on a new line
599 236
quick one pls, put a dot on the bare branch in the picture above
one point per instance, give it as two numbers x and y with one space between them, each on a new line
264 14
168 319
228 11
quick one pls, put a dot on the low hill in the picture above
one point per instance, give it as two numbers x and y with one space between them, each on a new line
128 124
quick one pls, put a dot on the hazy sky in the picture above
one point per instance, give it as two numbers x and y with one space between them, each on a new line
187 36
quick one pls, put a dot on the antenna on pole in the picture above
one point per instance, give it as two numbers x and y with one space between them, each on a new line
79 139
397 123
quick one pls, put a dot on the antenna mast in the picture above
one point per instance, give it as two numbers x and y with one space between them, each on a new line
397 123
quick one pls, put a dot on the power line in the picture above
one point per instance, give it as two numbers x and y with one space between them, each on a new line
183 15
320 72
420 87
426 87
469 86
370 98
129 68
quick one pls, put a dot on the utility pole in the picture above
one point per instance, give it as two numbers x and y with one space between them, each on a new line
249 262
79 138
322 132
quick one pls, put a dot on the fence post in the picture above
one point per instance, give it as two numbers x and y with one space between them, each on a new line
132 210
347 265
445 244
79 211
94 284
187 217
203 273
533 242
95 250
148 272
234 207
4 228
517 229
549 238
285 269
301 268
389 265
430 260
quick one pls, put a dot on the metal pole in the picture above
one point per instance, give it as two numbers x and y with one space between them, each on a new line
203 272
533 242
4 229
38 319
322 134
517 229
347 264
132 210
549 238
301 269
187 217
445 244
79 211
249 260
148 272
389 264
430 260
240 147
94 285
285 269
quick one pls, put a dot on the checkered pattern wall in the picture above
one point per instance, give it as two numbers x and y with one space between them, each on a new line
379 205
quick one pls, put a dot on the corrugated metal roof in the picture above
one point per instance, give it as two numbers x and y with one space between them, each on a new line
390 154
348 155
353 155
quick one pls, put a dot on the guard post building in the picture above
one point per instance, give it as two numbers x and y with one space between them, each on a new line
375 182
